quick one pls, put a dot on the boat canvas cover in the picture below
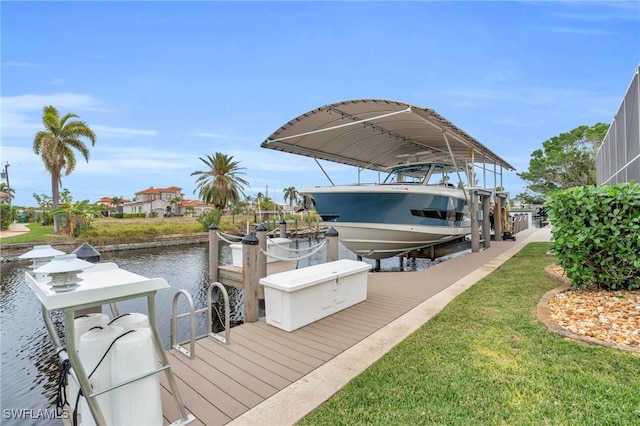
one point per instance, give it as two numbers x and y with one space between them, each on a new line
376 134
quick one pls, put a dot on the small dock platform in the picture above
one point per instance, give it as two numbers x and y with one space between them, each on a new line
269 376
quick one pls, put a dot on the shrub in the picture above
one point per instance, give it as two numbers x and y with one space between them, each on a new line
7 215
597 234
209 217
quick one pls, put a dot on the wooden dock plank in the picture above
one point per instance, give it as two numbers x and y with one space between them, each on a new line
294 360
251 353
244 378
232 389
366 311
338 326
323 337
201 408
292 341
341 338
364 321
210 392
169 410
255 368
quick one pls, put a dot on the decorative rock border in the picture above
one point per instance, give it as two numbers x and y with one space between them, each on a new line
544 314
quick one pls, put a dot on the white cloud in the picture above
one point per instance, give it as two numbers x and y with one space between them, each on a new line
65 100
108 131
21 115
578 31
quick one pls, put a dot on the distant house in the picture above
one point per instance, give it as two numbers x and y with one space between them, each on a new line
163 202
109 207
194 207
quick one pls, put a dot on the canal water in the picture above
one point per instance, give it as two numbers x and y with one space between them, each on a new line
29 367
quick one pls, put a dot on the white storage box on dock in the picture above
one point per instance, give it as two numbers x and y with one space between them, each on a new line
296 298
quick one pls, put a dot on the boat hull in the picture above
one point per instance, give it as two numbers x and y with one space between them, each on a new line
373 241
383 221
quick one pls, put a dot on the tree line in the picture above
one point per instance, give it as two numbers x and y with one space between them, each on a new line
564 161
219 184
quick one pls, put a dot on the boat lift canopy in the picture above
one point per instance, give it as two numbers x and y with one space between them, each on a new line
376 134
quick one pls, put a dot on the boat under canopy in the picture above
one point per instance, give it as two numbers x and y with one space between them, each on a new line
409 211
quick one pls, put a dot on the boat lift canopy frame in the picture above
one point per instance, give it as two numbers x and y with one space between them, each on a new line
376 134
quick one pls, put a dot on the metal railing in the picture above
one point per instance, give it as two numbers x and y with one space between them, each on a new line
191 352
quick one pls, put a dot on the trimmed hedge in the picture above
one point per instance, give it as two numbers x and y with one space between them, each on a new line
596 232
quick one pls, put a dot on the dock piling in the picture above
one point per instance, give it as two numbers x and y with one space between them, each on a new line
332 245
250 280
486 223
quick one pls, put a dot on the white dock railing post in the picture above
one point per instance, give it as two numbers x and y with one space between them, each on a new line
213 253
261 233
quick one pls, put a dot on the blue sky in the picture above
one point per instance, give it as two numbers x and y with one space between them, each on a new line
164 83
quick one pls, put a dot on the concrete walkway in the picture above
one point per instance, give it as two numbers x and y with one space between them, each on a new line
14 229
297 400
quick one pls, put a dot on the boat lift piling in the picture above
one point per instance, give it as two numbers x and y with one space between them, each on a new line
483 196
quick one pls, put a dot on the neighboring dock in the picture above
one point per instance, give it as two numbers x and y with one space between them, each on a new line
271 377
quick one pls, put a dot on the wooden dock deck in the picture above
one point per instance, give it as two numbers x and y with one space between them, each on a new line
224 382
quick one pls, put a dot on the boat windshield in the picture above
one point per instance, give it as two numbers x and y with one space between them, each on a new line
423 174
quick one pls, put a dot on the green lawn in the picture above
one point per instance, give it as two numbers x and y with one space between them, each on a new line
37 234
487 360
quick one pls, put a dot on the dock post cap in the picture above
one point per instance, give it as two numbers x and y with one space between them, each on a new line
331 232
250 239
213 227
260 227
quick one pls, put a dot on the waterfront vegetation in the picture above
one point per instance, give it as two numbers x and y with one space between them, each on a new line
105 230
486 359
113 231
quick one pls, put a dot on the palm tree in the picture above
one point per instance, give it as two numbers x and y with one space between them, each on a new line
290 194
116 201
175 202
56 144
247 203
220 184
